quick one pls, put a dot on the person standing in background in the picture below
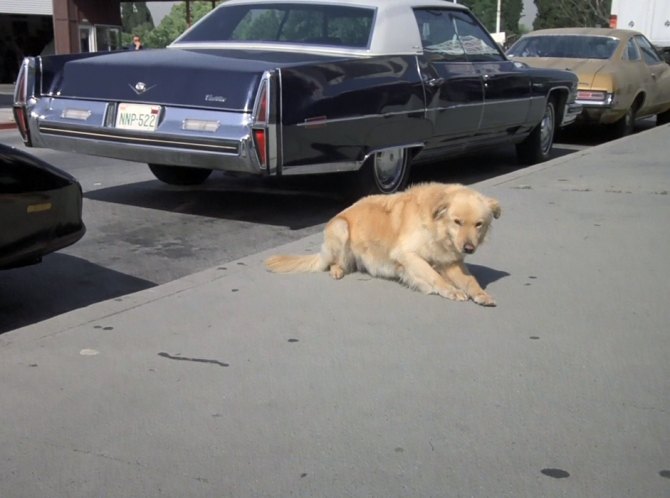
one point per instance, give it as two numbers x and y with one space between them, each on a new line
137 43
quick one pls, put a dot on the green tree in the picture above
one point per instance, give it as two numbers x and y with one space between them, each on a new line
136 19
572 13
486 12
175 23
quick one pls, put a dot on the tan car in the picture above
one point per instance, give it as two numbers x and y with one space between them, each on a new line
621 76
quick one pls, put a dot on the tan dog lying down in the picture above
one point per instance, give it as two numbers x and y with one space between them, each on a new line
419 236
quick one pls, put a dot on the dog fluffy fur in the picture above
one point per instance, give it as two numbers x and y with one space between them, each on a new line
419 236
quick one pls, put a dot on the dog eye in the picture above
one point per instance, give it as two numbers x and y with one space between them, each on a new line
479 224
458 222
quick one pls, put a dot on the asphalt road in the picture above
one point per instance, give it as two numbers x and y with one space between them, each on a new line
142 233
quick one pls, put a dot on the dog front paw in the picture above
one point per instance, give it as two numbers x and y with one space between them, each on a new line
453 294
484 299
336 271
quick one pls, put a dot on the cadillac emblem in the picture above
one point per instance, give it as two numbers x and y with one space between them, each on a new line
140 87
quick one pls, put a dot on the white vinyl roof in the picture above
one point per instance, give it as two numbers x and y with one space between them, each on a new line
395 26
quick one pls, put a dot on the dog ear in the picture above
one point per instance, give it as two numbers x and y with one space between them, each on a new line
494 206
440 209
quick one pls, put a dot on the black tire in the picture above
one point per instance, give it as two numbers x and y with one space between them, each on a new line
180 175
384 172
536 148
625 126
663 118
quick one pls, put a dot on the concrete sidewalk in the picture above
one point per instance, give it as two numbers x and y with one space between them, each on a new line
7 118
240 383
6 115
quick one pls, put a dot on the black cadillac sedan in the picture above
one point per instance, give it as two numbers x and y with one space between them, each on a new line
40 209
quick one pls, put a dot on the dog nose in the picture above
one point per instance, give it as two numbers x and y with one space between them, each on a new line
468 248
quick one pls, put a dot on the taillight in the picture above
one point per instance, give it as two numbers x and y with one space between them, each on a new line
20 101
595 97
589 95
21 121
262 112
260 124
613 21
261 145
21 87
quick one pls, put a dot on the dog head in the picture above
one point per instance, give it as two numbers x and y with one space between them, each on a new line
464 217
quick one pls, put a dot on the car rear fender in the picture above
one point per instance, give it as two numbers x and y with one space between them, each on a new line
38 77
346 109
25 96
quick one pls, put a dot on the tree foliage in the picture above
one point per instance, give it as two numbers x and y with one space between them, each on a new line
175 23
572 13
136 19
486 12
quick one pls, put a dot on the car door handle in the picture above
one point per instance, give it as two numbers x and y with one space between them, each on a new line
433 82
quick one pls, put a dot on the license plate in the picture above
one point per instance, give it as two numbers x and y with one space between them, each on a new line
140 117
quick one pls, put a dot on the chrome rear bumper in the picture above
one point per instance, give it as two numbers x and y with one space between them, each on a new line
229 147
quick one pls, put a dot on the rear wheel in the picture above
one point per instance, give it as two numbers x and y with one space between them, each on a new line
537 146
385 172
626 125
179 175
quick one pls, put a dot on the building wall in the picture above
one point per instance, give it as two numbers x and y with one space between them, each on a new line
35 27
68 14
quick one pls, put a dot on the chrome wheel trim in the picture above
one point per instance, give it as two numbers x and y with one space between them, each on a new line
389 168
547 129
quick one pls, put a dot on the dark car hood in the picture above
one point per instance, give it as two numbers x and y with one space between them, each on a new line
215 79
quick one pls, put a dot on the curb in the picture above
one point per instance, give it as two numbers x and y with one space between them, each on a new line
103 309
7 121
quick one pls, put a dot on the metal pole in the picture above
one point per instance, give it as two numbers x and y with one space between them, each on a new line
498 17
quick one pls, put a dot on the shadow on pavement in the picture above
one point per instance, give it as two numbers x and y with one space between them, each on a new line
59 284
478 166
294 201
250 200
486 275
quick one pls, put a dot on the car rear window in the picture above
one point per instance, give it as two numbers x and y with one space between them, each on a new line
565 46
330 25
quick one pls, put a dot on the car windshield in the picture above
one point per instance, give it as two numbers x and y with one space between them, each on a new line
330 25
565 46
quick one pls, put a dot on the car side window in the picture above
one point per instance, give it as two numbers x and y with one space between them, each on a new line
455 36
632 53
438 35
477 43
649 54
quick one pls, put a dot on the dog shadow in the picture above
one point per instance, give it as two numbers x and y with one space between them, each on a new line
486 275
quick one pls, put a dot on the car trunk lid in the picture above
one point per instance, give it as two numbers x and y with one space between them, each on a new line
190 78
586 69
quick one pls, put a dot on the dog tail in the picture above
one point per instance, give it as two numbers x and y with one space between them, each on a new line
295 264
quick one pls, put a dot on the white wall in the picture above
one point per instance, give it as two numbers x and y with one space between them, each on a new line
39 7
